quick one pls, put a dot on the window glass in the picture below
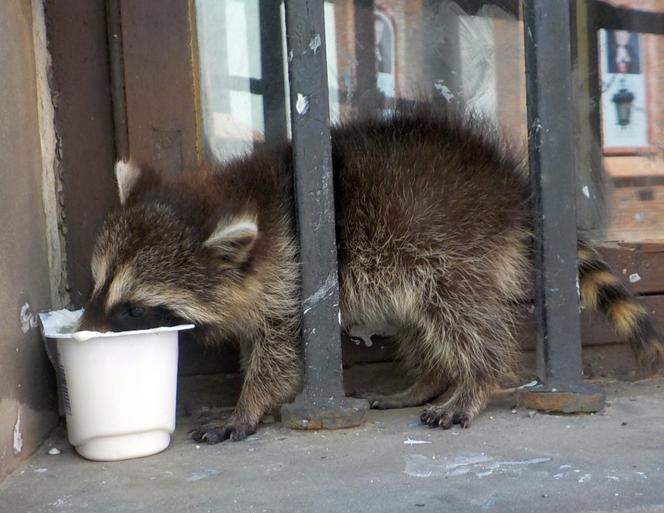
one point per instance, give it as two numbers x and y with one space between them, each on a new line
460 52
465 52
630 65
229 59
242 73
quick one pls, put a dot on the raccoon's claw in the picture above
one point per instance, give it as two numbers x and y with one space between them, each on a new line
215 434
445 418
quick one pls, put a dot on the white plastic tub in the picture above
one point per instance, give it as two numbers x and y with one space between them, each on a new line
118 390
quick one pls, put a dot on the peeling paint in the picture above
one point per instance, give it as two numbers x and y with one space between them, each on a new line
61 501
410 441
586 191
27 319
51 178
443 90
18 436
323 292
204 474
418 465
302 104
315 43
634 277
532 384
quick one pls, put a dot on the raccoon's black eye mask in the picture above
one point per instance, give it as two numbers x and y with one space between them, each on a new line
131 316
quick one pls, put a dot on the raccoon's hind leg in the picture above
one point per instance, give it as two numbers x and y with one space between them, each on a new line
423 390
458 405
473 351
426 387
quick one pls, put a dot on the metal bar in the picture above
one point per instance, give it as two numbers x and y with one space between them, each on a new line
552 174
118 98
322 403
623 18
366 96
271 84
592 208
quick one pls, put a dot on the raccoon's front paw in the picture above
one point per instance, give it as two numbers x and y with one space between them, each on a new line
435 416
213 434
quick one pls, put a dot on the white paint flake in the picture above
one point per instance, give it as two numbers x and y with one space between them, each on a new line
302 104
418 465
61 502
315 43
27 318
634 277
533 383
18 436
586 191
578 287
54 451
322 293
204 474
410 441
443 90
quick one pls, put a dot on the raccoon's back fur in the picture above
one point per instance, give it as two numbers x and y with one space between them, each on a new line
434 238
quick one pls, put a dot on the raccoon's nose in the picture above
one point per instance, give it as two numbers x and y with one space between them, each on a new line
87 324
93 319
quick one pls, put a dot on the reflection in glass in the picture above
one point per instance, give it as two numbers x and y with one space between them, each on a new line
242 73
229 59
468 53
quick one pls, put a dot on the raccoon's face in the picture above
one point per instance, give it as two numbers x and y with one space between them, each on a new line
153 266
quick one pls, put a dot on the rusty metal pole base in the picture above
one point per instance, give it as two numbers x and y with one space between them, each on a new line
329 413
576 399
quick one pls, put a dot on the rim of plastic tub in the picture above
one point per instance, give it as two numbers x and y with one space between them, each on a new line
84 335
87 335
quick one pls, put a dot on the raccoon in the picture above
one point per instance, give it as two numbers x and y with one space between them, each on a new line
434 239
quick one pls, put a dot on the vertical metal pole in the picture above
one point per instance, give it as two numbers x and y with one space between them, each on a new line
322 403
272 71
552 174
366 97
116 57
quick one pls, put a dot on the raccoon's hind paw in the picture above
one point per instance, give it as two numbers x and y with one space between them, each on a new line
213 434
435 416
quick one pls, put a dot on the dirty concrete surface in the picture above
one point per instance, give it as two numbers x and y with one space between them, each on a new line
510 460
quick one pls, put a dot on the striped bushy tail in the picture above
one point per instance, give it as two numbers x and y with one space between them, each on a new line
603 291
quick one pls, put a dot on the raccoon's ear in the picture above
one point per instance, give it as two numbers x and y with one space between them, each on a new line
129 175
233 238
